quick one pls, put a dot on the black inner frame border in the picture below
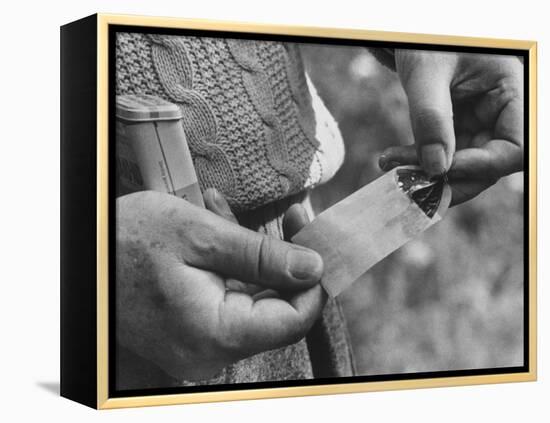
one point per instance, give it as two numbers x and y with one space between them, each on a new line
114 393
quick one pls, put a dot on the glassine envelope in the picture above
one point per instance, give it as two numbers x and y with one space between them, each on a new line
362 229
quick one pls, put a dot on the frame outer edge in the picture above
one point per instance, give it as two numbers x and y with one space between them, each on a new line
103 400
533 201
102 213
78 311
312 31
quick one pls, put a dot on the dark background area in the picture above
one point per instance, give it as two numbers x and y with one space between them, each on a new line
451 299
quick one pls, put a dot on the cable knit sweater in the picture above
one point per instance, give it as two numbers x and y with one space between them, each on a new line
253 135
247 111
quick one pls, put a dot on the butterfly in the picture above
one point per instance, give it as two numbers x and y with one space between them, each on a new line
423 190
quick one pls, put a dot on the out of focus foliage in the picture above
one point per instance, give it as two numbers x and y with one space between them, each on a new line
452 299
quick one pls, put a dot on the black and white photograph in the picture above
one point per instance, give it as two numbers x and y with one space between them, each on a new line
292 212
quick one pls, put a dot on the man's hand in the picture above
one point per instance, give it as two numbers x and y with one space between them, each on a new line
467 117
195 291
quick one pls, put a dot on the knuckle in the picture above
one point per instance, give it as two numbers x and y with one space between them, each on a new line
201 238
509 88
262 256
234 342
251 253
204 242
231 345
428 115
258 253
227 337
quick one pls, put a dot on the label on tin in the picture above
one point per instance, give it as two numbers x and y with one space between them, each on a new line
154 155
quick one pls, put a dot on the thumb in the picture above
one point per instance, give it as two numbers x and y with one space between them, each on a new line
426 79
221 246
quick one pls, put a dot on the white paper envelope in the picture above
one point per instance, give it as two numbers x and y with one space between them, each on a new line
362 229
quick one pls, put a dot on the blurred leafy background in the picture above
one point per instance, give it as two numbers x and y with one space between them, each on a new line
452 299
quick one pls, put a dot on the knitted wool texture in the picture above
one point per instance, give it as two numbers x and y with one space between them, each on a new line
246 109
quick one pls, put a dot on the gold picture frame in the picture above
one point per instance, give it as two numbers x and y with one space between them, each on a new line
102 399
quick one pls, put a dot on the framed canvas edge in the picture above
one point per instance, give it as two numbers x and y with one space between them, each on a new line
103 22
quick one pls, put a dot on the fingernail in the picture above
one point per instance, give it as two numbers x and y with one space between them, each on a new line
220 201
210 194
216 195
305 265
434 160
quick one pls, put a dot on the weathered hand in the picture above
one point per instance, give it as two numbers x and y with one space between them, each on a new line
467 117
196 291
